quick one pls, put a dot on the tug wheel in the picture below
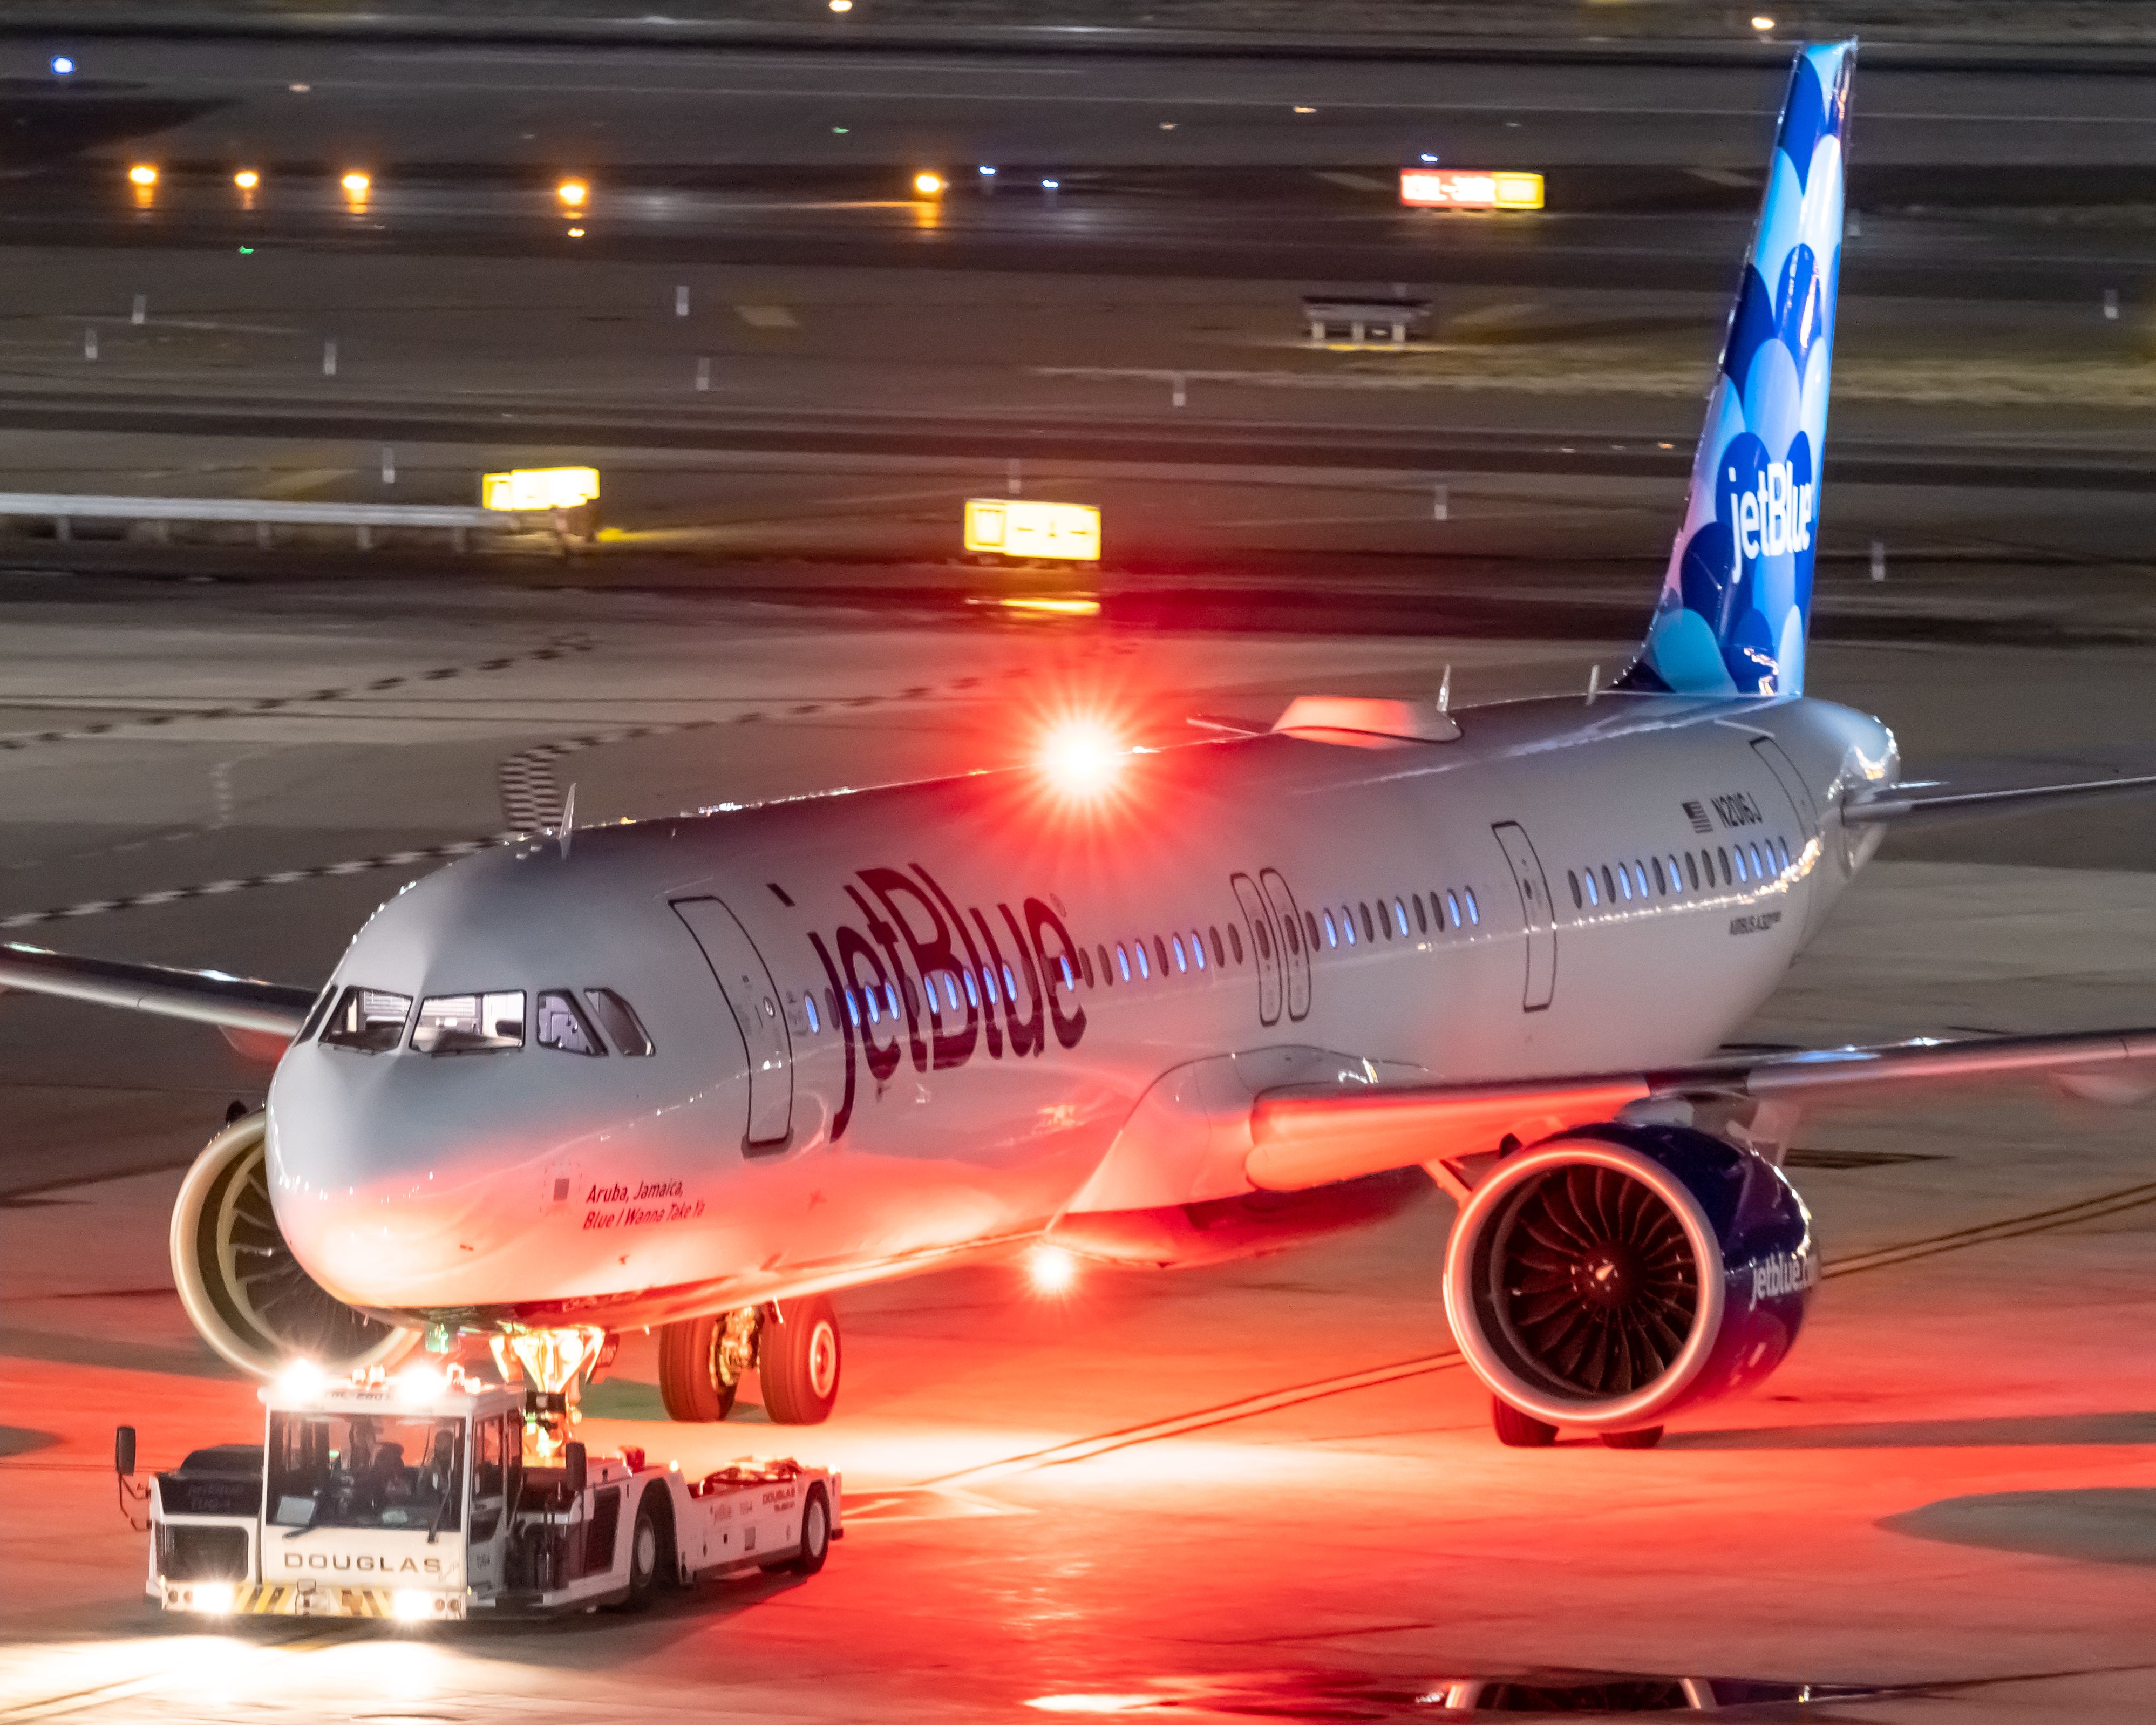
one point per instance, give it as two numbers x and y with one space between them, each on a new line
815 1533
648 1552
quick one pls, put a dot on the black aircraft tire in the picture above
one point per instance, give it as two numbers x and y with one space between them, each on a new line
1519 1431
797 1360
815 1533
689 1382
1642 1440
649 1552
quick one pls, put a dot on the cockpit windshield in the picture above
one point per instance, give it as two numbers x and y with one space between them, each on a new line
365 1470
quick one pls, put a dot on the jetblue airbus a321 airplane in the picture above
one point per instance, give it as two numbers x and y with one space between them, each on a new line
696 1073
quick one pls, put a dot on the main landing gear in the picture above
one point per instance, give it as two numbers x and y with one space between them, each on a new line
1522 1431
793 1348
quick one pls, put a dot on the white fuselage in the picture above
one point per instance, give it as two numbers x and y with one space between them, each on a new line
768 1145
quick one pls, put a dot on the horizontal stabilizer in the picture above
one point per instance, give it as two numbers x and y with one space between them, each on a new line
1907 802
207 997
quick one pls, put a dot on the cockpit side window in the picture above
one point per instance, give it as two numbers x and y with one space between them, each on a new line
366 1020
315 1013
558 1022
619 1020
469 1024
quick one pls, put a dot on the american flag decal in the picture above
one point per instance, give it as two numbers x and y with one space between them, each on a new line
1696 813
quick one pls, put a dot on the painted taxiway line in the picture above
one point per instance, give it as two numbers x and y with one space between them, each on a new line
1086 1449
1199 1419
559 648
247 883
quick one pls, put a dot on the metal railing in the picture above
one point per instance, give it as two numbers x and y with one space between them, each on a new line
63 509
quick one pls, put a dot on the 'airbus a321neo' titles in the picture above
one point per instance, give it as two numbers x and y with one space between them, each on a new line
697 1073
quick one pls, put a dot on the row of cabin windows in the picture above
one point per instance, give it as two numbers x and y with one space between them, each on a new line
1443 910
1750 862
1133 961
1151 956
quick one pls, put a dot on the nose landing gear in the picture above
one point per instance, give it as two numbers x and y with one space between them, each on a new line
794 1346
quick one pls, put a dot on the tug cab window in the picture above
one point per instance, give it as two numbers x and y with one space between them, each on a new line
366 1020
469 1024
365 1470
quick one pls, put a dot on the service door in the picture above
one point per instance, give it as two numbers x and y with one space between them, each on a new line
1294 938
1265 946
1535 912
745 983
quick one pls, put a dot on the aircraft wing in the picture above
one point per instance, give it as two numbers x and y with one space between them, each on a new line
1925 800
1308 1136
208 997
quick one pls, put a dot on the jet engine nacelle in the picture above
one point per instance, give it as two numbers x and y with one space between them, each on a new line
242 1289
1611 1277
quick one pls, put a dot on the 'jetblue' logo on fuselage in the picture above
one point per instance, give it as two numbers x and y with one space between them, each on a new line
1774 516
917 977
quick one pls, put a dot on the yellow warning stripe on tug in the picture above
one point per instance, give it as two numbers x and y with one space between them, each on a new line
282 1599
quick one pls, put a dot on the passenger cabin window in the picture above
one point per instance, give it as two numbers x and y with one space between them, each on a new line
1369 928
1422 922
1452 908
1235 941
1085 963
619 1020
1219 952
556 1022
1691 871
1474 910
1198 949
1331 933
368 1020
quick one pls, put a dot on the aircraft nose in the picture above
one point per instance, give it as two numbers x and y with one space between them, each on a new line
381 1209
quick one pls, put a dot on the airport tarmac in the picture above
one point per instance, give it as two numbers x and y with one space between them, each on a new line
1265 1490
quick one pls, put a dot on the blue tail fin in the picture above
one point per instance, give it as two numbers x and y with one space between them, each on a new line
1737 600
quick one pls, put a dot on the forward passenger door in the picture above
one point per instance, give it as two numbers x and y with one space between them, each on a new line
745 985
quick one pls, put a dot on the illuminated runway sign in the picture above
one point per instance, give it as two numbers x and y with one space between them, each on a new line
1469 188
1011 528
540 488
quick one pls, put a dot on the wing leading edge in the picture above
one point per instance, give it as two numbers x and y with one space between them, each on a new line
1305 1136
207 997
1910 801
